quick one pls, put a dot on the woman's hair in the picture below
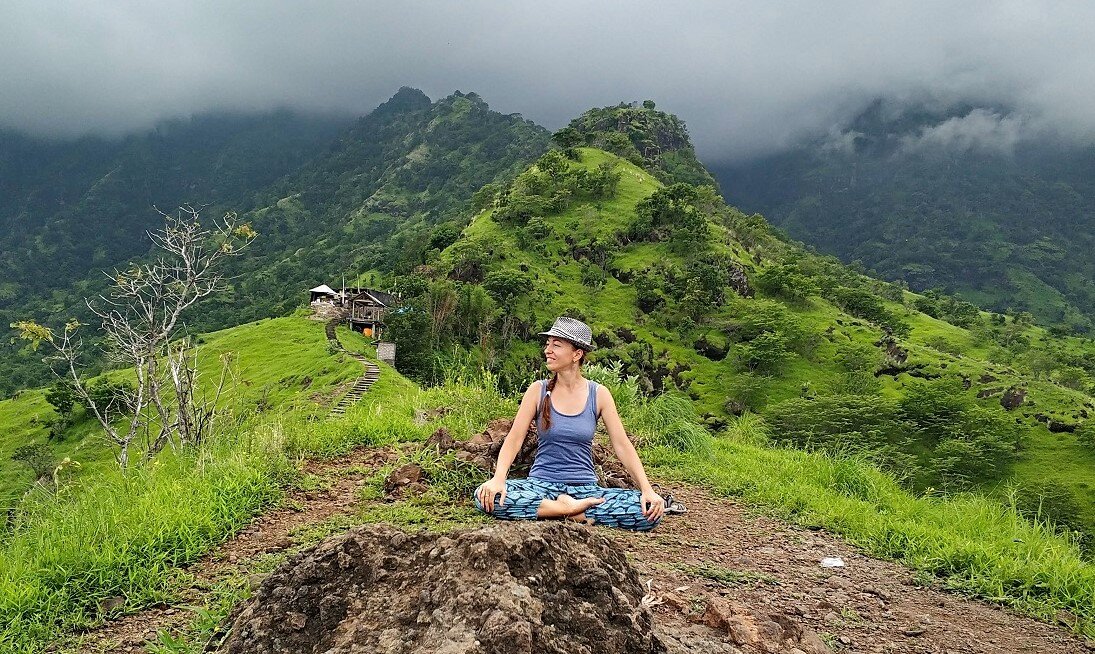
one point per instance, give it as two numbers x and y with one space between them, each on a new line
545 404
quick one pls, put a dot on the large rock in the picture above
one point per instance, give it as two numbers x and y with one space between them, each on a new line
549 588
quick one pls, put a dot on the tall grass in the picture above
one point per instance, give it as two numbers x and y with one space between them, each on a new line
126 535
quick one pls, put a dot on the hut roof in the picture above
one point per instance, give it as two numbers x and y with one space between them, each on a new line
323 288
381 298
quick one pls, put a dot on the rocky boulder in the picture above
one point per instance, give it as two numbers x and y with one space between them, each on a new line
505 589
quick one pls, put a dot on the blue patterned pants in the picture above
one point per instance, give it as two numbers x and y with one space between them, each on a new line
621 507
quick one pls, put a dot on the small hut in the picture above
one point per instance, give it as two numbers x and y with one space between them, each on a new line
323 293
367 310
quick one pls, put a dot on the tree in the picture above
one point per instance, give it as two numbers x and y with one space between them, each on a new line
1086 434
505 286
140 319
36 456
62 395
764 354
788 282
675 211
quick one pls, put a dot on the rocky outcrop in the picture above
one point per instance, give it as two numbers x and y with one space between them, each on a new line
1013 398
516 588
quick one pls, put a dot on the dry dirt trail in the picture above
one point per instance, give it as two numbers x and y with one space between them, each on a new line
719 549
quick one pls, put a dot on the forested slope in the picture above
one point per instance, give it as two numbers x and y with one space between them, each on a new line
958 200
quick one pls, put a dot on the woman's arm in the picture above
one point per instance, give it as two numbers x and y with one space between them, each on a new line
653 505
516 436
496 485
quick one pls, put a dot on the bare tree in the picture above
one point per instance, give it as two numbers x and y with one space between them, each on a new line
140 321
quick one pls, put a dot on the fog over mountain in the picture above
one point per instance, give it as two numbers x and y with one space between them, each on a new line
748 77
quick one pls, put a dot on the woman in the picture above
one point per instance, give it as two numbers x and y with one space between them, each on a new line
562 482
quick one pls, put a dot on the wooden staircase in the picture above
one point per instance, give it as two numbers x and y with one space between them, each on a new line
363 383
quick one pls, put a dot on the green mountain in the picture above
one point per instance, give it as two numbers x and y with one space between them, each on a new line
366 200
686 294
372 202
742 361
69 210
956 200
695 298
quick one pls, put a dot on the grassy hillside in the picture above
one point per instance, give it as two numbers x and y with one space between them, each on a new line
70 209
276 364
367 198
67 556
803 341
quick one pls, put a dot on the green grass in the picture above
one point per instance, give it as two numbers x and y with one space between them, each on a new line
129 534
942 348
110 534
275 363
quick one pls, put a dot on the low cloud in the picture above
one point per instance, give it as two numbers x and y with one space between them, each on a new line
748 77
979 130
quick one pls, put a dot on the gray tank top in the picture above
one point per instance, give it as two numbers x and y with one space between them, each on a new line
564 453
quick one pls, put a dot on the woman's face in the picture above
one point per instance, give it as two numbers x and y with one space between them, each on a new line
560 354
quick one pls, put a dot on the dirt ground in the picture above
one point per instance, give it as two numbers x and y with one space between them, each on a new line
868 605
717 549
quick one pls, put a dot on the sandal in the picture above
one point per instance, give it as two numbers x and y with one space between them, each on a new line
673 507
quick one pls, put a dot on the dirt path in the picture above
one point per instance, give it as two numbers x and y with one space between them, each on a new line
717 549
867 606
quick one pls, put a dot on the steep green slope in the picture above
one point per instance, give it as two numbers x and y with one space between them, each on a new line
695 297
276 364
372 202
68 210
368 202
930 199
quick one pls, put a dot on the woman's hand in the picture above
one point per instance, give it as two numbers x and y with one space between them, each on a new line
488 490
652 504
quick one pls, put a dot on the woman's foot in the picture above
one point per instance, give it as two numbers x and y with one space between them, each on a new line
566 506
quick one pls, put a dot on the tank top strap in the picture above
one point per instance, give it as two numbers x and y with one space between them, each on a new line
593 398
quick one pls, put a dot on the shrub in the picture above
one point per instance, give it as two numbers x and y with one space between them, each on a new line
36 456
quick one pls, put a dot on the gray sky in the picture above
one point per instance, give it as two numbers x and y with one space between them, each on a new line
747 77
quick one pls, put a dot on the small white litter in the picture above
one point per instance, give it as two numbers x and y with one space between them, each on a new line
832 562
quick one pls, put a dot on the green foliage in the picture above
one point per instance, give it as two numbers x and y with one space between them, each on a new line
550 186
655 140
788 282
1047 502
999 230
36 456
766 353
367 200
112 396
972 544
408 328
62 395
935 432
676 211
506 286
947 307
1085 434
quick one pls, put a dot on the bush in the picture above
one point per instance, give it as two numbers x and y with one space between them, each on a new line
764 354
1086 434
788 282
36 456
112 397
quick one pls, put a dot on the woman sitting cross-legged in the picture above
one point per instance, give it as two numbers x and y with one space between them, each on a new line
562 482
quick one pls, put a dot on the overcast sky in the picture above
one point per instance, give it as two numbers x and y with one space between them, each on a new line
747 77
